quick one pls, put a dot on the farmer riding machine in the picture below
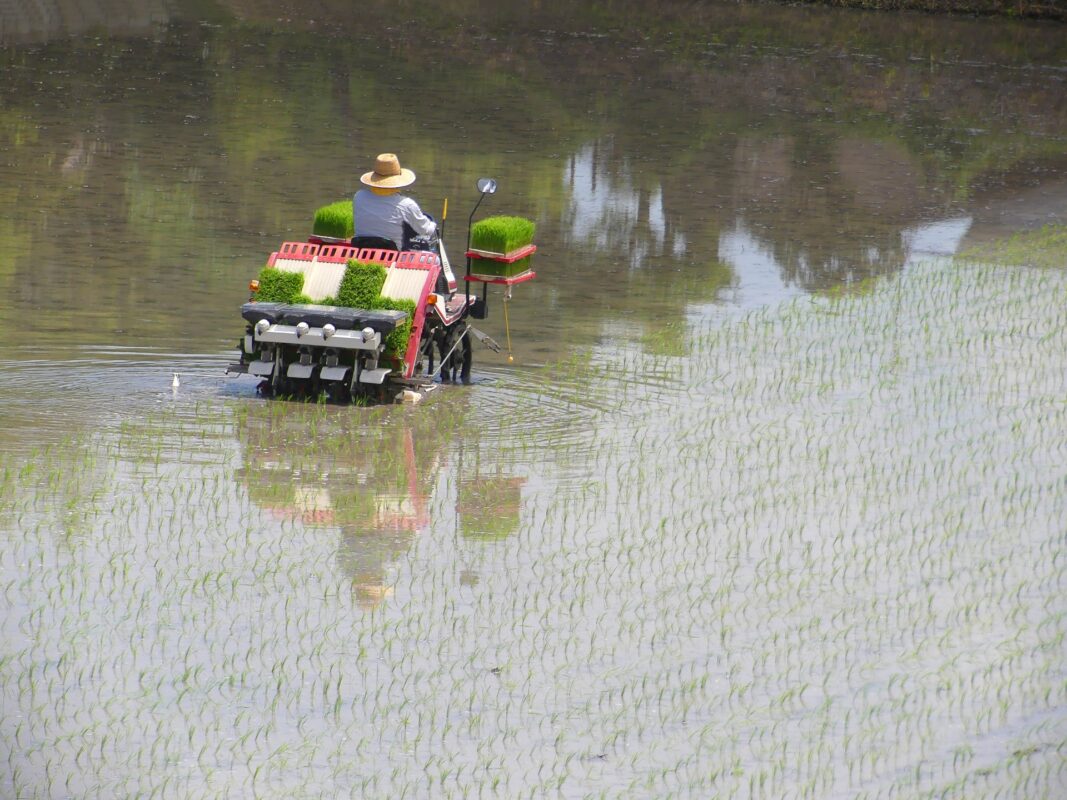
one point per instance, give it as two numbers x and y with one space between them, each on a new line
329 316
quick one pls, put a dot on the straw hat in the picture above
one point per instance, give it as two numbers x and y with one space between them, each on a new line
388 174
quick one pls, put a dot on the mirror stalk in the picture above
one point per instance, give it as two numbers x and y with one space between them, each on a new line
485 186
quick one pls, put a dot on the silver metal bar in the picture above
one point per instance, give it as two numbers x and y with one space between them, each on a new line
333 373
374 375
484 338
449 275
342 339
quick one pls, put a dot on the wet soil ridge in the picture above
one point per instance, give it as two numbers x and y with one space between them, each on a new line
1049 9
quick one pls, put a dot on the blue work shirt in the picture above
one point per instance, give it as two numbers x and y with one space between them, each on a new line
385 215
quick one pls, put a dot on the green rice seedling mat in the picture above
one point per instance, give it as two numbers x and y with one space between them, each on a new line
334 220
501 235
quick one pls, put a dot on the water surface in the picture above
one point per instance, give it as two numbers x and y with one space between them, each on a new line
768 505
718 158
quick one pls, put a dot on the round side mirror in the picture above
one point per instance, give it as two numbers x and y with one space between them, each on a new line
486 185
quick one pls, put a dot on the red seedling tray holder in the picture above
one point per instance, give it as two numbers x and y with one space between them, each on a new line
506 258
522 277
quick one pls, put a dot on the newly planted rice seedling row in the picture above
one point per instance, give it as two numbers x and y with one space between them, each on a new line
822 556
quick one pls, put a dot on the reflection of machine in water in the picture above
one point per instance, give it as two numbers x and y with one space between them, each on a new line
371 475
361 473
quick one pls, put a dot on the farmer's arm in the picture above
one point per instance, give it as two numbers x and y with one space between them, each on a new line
413 216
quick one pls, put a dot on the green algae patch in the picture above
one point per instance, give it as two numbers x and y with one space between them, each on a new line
334 220
852 288
502 234
670 340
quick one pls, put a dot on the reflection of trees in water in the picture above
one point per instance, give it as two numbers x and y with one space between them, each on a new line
825 159
42 20
825 211
828 211
214 139
609 210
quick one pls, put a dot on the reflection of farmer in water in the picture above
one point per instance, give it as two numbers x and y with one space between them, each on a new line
366 552
363 479
379 523
371 479
367 556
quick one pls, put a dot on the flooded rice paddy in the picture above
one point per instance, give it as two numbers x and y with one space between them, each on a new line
833 569
771 503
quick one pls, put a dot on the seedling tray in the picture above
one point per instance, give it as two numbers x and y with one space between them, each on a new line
529 275
501 234
506 268
505 258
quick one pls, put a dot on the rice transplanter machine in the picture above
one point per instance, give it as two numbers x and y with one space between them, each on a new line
308 345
